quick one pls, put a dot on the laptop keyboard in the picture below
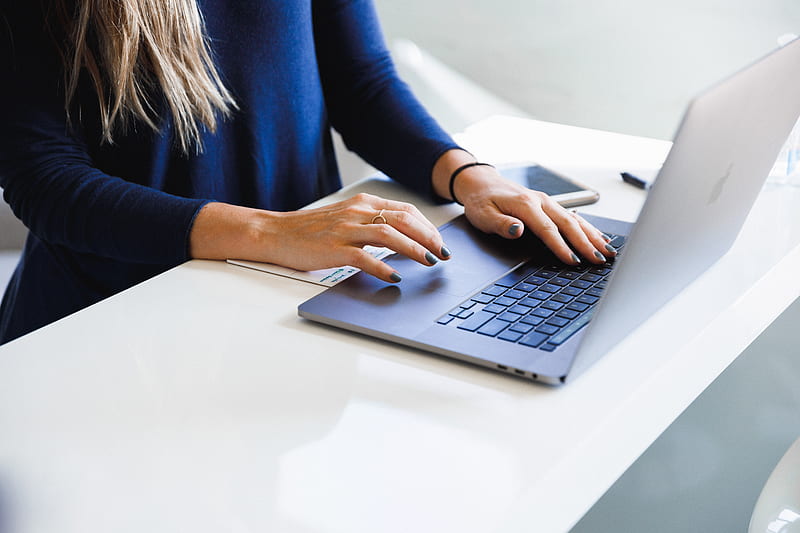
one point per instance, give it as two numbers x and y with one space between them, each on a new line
533 305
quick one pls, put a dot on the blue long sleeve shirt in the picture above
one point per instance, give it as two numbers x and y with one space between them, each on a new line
104 217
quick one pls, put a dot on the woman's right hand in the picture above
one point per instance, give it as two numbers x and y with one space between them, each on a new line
330 236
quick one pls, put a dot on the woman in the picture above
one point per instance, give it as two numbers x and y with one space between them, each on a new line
140 133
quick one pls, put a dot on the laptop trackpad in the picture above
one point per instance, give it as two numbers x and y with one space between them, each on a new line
402 310
477 259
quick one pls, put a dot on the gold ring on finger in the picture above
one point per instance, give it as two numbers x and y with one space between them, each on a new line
379 218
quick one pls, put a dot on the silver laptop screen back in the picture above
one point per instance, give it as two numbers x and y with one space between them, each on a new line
727 143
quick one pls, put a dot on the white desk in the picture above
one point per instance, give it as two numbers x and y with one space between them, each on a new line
198 401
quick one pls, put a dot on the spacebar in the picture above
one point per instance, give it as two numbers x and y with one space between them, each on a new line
571 329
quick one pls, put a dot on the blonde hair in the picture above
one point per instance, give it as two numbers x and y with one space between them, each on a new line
131 48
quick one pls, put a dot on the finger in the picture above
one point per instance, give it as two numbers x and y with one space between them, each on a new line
574 233
377 203
411 209
387 236
411 223
408 219
548 231
528 214
547 220
366 262
597 237
527 211
494 221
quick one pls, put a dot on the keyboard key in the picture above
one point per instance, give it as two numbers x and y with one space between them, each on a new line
533 339
540 295
602 271
511 336
549 287
561 298
493 308
546 329
494 290
546 274
595 292
512 278
475 321
558 322
508 317
569 275
465 313
513 293
571 291
570 330
581 284
525 287
483 298
504 301
531 320
519 327
468 305
567 313
535 280
520 309
591 277
561 282
544 313
493 327
586 299
618 241
575 306
555 306
445 320
531 302
548 347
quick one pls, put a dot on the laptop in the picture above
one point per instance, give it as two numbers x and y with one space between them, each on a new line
511 306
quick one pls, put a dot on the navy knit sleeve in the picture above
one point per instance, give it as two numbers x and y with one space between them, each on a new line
376 113
47 173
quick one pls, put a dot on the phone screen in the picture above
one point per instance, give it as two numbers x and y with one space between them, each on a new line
540 179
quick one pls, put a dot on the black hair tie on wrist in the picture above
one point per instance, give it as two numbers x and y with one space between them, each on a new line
458 171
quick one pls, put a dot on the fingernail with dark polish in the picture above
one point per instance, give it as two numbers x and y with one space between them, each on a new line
606 237
575 259
397 278
611 249
446 251
514 230
599 256
430 258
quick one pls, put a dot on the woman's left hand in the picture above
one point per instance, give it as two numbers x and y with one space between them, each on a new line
494 204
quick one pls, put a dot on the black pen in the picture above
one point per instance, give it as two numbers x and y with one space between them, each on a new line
633 180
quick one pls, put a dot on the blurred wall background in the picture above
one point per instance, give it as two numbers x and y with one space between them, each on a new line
622 65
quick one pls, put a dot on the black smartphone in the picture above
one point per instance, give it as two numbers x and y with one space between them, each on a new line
566 191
